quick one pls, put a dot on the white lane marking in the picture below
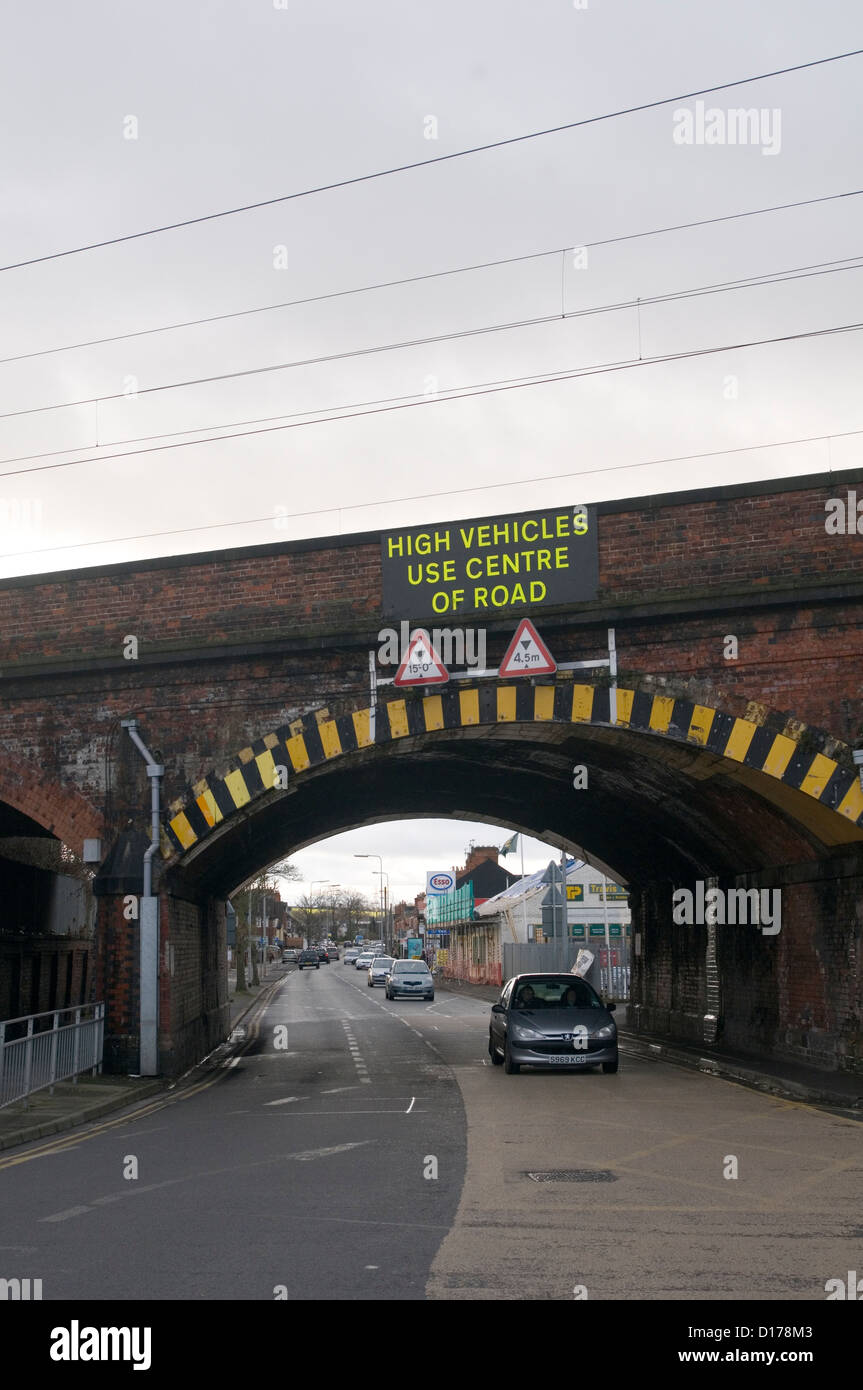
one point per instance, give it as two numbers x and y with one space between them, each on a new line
286 1101
371 1266
411 1106
333 1089
231 1063
65 1215
325 1153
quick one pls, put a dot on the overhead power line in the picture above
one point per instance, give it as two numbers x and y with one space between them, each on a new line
437 159
430 275
450 492
324 412
724 287
542 380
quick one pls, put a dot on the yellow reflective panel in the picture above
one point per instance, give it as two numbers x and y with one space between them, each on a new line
701 724
362 727
469 706
818 775
183 831
330 741
506 704
237 788
582 704
433 711
398 717
543 702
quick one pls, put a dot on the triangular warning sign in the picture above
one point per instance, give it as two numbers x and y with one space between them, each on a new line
421 664
527 654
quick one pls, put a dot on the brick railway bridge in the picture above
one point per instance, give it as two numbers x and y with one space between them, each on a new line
738 772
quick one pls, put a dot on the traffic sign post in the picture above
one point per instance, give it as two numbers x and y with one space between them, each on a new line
421 664
527 654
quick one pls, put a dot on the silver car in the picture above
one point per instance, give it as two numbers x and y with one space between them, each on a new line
379 969
411 978
364 961
551 1021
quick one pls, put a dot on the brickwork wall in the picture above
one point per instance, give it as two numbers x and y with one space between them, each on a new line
41 975
194 1013
797 994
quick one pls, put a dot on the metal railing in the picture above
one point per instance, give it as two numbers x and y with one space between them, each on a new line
40 1049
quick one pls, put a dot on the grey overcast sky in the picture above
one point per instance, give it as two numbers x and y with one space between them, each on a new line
118 117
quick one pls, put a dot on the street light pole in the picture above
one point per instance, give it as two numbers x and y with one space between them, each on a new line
386 887
381 892
324 882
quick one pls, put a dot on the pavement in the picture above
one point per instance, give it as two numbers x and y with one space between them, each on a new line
72 1104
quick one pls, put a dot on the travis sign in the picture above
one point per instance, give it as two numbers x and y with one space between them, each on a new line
533 560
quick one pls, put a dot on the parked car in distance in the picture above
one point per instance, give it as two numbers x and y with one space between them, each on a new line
334 952
307 959
352 955
411 978
290 957
551 1020
364 961
379 969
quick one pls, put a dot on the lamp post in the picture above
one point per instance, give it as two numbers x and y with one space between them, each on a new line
324 882
381 893
386 887
333 886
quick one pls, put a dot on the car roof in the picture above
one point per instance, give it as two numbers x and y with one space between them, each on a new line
544 975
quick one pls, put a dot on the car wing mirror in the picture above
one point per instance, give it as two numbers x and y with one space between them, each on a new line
611 1008
498 1008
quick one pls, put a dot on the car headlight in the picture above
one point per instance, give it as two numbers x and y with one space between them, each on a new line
609 1031
525 1032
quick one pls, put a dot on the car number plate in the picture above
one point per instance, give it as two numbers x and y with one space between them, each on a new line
569 1060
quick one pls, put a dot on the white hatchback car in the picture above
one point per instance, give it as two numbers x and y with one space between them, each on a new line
379 969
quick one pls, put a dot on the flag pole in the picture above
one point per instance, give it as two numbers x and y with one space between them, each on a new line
523 904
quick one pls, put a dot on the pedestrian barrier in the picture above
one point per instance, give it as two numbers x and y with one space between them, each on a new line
38 1050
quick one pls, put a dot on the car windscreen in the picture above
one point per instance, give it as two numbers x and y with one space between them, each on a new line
555 992
403 967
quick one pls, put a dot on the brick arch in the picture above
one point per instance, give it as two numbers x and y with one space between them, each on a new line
770 746
60 809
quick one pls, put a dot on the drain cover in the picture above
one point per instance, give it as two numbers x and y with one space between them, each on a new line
573 1175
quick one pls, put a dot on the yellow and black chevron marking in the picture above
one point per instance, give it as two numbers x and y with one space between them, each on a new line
791 755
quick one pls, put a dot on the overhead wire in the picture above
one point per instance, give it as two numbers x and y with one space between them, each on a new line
436 159
485 487
429 275
724 287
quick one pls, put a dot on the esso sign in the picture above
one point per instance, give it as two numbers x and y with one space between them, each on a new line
440 883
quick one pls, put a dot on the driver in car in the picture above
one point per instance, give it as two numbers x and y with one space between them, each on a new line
526 998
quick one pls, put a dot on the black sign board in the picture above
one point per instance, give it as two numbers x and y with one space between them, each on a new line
529 561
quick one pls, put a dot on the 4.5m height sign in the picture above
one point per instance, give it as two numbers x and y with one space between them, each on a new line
532 560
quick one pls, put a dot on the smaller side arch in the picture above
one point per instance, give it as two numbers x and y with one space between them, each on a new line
60 809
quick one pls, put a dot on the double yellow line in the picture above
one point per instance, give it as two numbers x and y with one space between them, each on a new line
60 1145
